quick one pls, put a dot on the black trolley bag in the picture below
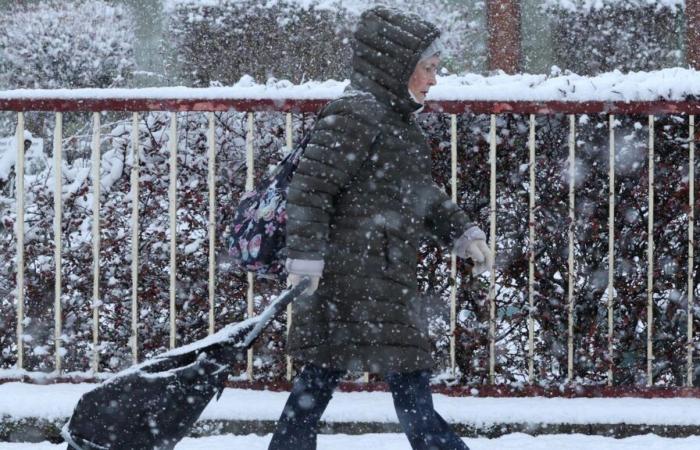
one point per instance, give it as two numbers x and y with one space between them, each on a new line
155 404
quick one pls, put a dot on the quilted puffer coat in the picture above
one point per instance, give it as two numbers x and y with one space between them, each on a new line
361 200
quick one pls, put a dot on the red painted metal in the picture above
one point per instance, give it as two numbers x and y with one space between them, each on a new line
157 104
561 107
298 106
449 106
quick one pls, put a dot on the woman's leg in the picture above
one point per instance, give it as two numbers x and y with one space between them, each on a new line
297 428
424 427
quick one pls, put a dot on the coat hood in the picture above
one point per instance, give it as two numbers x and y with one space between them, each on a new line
388 45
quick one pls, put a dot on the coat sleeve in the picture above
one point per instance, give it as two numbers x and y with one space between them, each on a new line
445 221
340 142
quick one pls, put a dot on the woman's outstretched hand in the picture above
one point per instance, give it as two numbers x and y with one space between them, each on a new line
472 245
294 278
298 269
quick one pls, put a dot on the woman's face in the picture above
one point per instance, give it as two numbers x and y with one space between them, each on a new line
423 78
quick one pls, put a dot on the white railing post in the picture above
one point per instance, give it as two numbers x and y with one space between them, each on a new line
249 185
211 183
531 259
57 235
611 247
135 161
289 132
172 204
492 269
650 259
572 229
453 256
691 225
96 302
19 229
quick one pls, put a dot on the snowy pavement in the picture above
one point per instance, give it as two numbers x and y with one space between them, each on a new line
517 441
56 401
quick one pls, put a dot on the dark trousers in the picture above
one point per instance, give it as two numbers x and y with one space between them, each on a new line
313 388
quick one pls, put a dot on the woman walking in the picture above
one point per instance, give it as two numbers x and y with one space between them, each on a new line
360 201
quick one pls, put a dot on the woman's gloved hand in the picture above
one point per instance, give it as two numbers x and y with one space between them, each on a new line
294 278
298 269
472 245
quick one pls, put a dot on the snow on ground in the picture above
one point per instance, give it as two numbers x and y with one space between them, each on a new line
54 401
667 84
516 441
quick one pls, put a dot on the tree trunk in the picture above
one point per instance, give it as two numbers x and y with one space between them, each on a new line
504 46
692 38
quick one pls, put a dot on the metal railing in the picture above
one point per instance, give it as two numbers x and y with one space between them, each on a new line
453 108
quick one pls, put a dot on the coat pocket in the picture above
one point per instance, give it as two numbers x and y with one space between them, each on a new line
309 327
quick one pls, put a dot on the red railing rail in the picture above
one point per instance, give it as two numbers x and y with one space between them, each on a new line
95 104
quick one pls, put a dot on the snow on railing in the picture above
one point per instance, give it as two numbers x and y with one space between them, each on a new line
671 91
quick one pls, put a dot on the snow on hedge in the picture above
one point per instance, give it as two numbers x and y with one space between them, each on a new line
462 25
667 84
355 7
595 5
57 44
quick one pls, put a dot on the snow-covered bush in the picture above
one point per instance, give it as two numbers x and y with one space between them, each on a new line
66 44
63 44
115 253
295 39
591 37
591 356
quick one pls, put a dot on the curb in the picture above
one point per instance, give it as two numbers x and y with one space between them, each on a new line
38 430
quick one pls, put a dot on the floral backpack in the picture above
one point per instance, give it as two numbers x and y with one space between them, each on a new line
257 234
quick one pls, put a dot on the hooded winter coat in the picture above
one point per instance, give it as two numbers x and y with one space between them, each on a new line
361 200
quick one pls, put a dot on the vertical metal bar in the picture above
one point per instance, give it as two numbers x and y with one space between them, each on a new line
492 232
172 203
95 240
572 229
289 307
249 156
57 235
611 247
531 259
211 182
20 239
691 225
135 162
453 256
250 175
650 258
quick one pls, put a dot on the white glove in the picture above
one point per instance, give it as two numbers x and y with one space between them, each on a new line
294 278
472 245
299 269
481 255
